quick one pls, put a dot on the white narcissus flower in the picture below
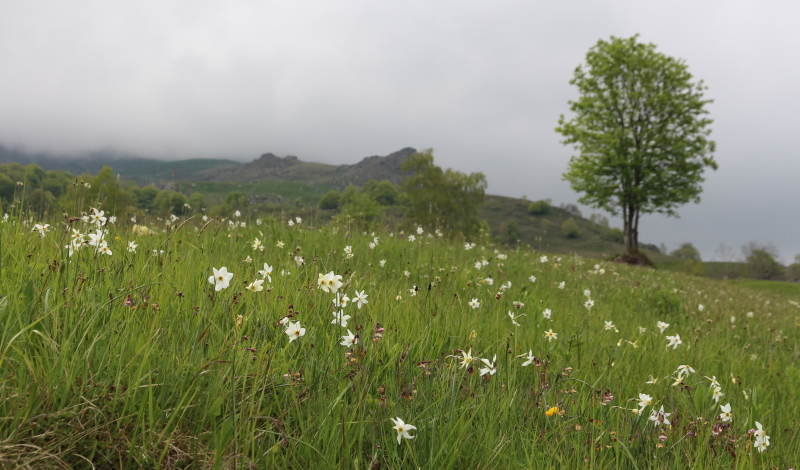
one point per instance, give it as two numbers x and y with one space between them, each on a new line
349 339
547 313
491 367
360 299
221 278
97 239
382 262
474 303
528 359
589 304
105 250
562 285
543 259
402 429
549 335
610 326
256 286
514 317
674 341
717 394
660 416
41 228
340 318
645 400
466 358
294 331
726 414
762 440
532 278
330 282
132 247
266 273
684 369
662 326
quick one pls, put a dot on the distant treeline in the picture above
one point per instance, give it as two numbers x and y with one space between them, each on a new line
45 193
429 196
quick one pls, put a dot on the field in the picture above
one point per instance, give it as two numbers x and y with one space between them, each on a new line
136 359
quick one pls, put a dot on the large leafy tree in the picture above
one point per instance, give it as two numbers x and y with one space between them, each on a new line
440 198
641 131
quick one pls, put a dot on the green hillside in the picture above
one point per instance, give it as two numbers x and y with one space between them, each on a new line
544 232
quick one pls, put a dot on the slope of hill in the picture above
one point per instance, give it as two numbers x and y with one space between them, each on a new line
270 167
544 232
141 170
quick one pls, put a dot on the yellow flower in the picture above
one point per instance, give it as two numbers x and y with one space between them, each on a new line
552 411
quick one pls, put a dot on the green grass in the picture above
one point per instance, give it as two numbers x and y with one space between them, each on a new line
187 377
276 192
791 289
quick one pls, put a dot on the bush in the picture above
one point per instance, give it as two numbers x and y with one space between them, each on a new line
540 207
614 235
687 251
570 228
762 265
512 231
330 201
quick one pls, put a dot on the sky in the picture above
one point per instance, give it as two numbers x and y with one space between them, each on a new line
482 83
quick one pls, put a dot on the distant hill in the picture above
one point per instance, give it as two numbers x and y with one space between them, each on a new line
268 167
141 170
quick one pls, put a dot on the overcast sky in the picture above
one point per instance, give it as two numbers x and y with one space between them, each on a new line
482 83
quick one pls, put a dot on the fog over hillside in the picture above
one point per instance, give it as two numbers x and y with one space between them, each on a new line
481 83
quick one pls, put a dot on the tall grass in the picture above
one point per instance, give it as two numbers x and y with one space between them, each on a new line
135 361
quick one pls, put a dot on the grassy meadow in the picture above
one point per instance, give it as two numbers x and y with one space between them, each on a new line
122 357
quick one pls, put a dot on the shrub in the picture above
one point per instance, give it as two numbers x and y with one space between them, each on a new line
540 207
687 251
330 200
614 235
570 229
512 231
763 266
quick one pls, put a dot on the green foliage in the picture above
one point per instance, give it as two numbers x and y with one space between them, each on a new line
540 207
640 131
42 202
170 202
236 201
362 208
197 201
7 188
384 192
762 265
615 235
56 182
686 251
793 272
442 199
349 195
570 228
330 201
144 198
512 231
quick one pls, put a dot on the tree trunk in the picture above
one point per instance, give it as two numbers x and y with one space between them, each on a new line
631 216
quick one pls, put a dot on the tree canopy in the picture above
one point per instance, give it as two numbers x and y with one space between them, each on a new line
641 131
439 198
